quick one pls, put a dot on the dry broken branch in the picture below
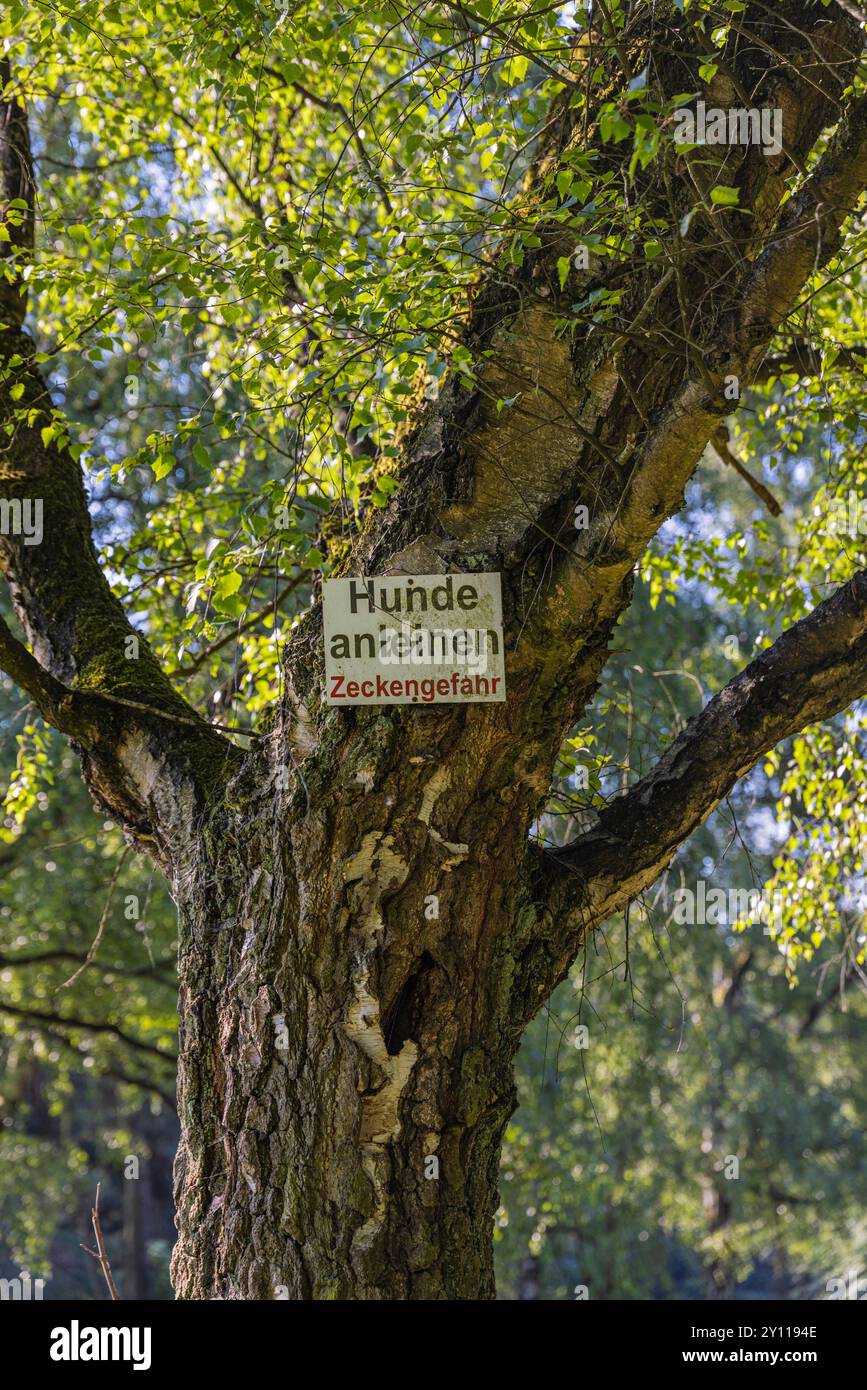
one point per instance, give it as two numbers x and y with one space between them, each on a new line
99 1253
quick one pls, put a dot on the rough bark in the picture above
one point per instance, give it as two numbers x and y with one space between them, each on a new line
364 928
335 1037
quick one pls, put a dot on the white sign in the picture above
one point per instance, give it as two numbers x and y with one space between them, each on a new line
424 639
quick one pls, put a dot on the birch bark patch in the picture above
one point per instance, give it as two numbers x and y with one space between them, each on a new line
425 639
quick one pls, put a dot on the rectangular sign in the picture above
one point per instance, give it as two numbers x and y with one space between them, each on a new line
423 639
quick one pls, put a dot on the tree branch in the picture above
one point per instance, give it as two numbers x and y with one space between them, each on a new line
65 709
808 360
77 630
99 1254
55 702
16 185
153 972
850 7
806 237
814 670
721 444
142 1083
86 1026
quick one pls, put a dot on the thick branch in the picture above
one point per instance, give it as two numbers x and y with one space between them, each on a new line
811 672
16 173
54 702
82 642
807 236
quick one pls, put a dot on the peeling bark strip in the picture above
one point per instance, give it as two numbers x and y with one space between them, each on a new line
379 1118
360 953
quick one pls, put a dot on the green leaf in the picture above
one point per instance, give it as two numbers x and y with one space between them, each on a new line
163 465
228 584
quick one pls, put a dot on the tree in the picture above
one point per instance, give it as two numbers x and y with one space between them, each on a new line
366 923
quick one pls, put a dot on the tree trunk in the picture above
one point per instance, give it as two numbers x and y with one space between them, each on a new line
346 1040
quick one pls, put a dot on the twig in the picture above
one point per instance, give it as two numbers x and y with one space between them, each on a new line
194 723
235 632
101 928
720 443
330 104
99 1253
